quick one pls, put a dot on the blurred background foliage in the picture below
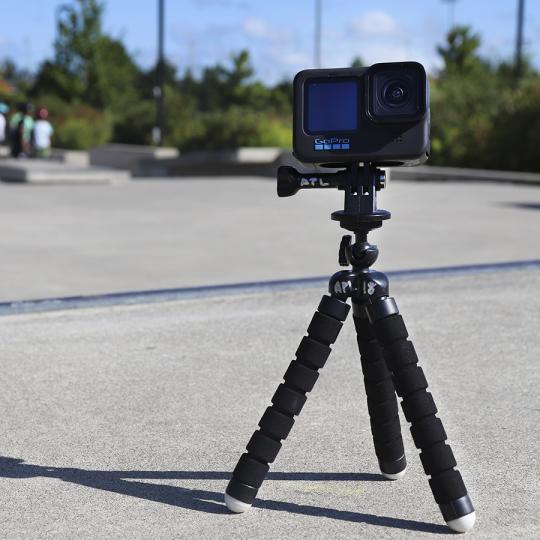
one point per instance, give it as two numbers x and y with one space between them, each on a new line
483 113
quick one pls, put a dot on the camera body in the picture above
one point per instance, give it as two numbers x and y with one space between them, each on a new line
377 114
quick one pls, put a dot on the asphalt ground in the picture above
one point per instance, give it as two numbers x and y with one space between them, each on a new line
153 234
125 421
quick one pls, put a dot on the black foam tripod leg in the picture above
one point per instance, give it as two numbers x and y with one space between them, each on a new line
381 399
287 402
419 409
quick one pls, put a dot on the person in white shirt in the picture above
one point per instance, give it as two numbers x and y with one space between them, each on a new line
4 109
42 134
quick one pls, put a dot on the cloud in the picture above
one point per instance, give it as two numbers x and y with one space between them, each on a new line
257 28
374 23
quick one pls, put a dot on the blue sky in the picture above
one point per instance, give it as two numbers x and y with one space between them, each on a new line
279 33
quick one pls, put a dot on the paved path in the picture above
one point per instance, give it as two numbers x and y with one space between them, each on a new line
125 422
70 240
46 171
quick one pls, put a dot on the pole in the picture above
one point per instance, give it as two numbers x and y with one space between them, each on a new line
318 25
451 13
519 38
159 129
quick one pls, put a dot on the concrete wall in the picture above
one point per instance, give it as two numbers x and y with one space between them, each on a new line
80 158
129 156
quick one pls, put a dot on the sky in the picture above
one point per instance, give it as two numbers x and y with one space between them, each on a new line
279 33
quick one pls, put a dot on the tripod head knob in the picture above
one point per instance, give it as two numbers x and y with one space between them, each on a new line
289 181
287 184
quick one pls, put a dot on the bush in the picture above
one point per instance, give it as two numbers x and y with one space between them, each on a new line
232 128
82 128
135 125
515 132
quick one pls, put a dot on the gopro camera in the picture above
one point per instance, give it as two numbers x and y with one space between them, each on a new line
377 114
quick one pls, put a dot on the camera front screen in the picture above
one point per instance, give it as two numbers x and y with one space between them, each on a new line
331 106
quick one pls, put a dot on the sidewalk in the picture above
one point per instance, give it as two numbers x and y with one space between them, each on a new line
127 421
45 171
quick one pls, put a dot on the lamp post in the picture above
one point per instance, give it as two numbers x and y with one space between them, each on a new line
159 129
451 12
519 38
318 26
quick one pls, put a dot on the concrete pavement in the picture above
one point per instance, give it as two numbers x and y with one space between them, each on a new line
48 171
125 422
151 234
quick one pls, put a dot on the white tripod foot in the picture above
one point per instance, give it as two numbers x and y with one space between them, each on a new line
236 506
395 476
463 523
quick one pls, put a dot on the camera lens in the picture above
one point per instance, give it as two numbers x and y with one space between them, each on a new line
395 94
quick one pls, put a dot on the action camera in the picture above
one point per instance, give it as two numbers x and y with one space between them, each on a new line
377 114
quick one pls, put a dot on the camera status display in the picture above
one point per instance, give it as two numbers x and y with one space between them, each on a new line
331 106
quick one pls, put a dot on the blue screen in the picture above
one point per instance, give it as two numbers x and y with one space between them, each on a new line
331 106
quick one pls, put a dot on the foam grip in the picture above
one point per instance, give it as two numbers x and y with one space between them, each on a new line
250 471
418 405
447 486
419 408
381 391
324 328
334 308
381 411
390 450
390 329
312 353
370 350
437 458
289 400
263 447
276 424
385 431
382 403
376 371
301 376
400 354
427 431
409 380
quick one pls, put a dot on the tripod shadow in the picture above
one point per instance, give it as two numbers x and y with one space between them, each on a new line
125 483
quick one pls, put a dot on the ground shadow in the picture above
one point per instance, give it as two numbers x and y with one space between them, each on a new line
124 482
522 205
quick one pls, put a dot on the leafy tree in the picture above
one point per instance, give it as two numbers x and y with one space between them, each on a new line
465 96
480 118
88 66
460 53
357 62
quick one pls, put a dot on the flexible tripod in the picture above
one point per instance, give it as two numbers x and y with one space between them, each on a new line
389 361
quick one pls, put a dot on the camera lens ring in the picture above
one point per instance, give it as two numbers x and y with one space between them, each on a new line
395 94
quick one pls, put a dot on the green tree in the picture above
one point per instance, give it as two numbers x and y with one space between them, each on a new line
465 96
357 62
460 52
88 66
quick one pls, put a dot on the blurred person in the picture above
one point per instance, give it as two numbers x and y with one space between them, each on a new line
42 134
21 126
4 109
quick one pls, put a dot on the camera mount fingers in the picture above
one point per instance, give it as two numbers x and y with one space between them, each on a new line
287 402
381 399
419 408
